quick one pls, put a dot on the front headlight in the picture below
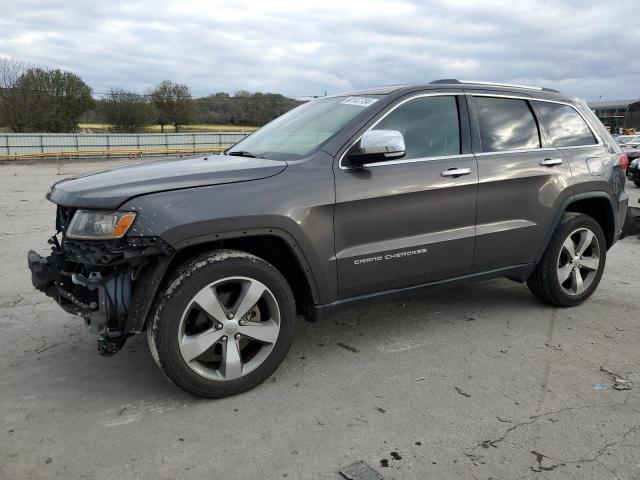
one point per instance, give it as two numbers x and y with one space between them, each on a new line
99 225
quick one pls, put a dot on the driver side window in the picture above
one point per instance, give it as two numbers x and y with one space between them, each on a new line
430 126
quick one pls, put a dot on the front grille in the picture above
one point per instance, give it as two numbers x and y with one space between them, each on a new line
63 217
94 252
113 252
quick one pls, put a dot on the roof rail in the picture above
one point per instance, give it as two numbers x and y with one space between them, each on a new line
496 84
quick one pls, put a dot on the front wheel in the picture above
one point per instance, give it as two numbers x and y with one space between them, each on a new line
223 324
636 182
572 265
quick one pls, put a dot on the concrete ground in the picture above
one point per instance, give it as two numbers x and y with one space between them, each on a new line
478 382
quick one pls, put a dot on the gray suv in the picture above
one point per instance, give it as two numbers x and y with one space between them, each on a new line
341 201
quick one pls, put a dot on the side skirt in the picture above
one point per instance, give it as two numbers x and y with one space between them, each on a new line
316 313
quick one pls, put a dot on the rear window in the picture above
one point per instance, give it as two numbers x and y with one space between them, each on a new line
565 125
506 124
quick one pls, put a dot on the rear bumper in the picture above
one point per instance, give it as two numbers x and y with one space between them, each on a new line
620 215
632 222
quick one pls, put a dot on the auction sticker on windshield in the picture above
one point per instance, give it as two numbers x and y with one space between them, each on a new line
360 101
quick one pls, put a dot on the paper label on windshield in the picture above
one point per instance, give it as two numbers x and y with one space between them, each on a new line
359 101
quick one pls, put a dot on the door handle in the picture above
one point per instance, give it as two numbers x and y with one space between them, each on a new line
550 162
456 172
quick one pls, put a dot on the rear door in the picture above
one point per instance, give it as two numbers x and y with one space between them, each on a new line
409 221
522 181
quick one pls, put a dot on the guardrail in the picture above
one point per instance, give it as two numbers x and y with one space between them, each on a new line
79 145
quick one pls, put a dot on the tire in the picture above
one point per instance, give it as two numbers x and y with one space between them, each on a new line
196 306
558 263
636 182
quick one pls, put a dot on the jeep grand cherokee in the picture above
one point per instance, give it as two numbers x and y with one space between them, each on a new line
343 200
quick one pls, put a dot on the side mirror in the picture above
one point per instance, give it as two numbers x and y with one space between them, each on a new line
377 146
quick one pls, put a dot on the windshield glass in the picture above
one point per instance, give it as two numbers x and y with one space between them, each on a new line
299 132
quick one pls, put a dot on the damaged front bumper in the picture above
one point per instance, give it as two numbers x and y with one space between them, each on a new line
97 281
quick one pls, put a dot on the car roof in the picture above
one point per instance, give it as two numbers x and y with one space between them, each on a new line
535 92
383 90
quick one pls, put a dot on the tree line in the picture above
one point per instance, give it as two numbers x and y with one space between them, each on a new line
34 99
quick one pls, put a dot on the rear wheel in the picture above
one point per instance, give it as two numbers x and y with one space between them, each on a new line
223 324
572 265
637 182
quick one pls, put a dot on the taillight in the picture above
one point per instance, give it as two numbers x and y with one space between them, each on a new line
624 161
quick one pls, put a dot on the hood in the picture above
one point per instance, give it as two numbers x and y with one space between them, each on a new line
110 188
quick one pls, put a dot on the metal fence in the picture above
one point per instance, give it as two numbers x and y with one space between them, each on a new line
75 145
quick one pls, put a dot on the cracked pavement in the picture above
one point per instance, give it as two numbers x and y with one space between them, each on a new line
478 382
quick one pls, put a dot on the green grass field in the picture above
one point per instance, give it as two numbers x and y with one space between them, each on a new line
104 127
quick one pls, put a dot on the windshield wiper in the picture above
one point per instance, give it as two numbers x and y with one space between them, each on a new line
241 153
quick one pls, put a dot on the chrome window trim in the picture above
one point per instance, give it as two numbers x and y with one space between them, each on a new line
521 97
499 152
522 150
580 146
410 160
416 160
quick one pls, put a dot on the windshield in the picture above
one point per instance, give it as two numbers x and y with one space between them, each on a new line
299 132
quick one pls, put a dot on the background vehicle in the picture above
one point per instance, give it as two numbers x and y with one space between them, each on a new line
341 201
628 140
633 172
632 152
632 147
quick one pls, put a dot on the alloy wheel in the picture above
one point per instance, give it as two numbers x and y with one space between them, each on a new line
229 328
578 261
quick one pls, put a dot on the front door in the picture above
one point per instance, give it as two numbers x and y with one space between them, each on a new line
410 221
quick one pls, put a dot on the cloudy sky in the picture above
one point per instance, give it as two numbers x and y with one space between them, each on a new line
587 48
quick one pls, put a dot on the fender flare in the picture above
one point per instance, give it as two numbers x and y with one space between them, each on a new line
153 274
296 249
561 211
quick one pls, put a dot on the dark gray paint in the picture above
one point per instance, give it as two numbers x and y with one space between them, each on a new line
517 202
495 219
297 205
109 188
404 207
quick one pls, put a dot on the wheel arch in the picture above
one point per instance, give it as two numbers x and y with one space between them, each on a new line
272 245
599 207
596 204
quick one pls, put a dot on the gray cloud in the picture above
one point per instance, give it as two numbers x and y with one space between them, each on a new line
587 48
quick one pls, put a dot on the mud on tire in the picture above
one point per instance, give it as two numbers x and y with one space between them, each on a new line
245 350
